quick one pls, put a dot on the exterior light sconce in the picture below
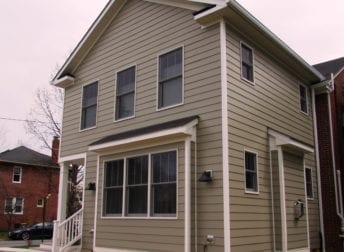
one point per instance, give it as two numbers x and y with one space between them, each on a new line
207 176
91 186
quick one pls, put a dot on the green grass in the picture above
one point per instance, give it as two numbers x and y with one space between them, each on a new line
3 235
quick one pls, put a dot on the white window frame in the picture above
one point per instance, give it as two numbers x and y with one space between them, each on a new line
306 92
20 174
158 83
81 105
135 89
249 190
311 183
14 200
241 63
40 204
149 215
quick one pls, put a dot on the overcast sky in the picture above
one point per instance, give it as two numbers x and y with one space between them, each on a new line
38 35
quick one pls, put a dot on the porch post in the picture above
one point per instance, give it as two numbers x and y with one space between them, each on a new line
187 189
62 200
282 199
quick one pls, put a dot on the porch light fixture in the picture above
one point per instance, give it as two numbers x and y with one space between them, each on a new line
91 186
207 176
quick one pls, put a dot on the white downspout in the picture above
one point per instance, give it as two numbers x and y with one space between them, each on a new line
187 206
315 129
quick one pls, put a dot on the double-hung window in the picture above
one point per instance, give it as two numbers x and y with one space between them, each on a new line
17 174
170 89
309 183
303 99
247 63
251 172
135 186
125 93
89 106
14 205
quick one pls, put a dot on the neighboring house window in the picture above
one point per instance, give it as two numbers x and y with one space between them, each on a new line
170 90
14 205
89 106
309 183
303 99
164 183
137 185
40 202
125 93
127 187
17 174
247 63
113 187
251 172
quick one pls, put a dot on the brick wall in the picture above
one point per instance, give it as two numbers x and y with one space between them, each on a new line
36 182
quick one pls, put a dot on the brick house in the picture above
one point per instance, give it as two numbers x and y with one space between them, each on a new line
330 122
26 179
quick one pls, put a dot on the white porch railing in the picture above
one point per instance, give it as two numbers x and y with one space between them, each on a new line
67 232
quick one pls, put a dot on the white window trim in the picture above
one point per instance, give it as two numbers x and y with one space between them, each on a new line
20 176
183 75
252 83
124 202
40 205
13 206
311 170
248 191
82 96
135 90
307 97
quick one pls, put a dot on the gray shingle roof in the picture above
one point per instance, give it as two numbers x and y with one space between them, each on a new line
24 155
331 66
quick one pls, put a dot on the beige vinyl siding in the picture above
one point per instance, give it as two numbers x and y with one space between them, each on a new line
273 102
138 35
294 190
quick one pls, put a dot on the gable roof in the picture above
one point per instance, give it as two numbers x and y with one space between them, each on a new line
206 12
25 156
330 67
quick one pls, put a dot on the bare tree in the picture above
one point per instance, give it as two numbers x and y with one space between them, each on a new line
44 120
2 137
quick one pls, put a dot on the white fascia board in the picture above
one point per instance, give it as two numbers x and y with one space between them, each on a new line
213 2
283 140
190 5
64 81
186 130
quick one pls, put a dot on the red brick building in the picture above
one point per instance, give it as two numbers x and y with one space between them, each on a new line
330 123
29 184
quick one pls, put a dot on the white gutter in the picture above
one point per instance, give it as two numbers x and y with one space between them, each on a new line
187 206
315 129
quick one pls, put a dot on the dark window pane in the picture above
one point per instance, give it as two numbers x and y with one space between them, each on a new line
18 205
247 63
164 196
126 81
90 94
113 200
251 171
170 78
137 199
251 181
138 170
125 94
303 99
309 185
114 173
8 205
89 106
125 105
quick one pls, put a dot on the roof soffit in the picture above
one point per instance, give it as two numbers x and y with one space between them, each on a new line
102 22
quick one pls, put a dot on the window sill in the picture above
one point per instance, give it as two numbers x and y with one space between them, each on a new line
251 83
138 218
124 119
251 192
169 107
82 130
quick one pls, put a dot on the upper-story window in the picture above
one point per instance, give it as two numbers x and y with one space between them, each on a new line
251 172
170 89
17 174
303 99
247 63
89 106
309 183
125 93
14 205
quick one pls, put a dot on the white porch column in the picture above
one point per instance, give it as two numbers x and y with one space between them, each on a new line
187 202
282 199
63 186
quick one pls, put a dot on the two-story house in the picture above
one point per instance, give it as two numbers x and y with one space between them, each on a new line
195 126
29 183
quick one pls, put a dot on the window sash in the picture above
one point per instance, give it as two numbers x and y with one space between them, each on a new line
309 183
125 93
14 205
251 172
133 191
247 63
303 99
17 174
170 78
89 105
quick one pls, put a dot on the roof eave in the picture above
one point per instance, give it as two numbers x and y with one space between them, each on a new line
30 164
246 18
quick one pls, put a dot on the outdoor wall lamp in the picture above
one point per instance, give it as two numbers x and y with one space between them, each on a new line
207 176
91 186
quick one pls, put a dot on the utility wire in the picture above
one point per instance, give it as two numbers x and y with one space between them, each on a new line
23 120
